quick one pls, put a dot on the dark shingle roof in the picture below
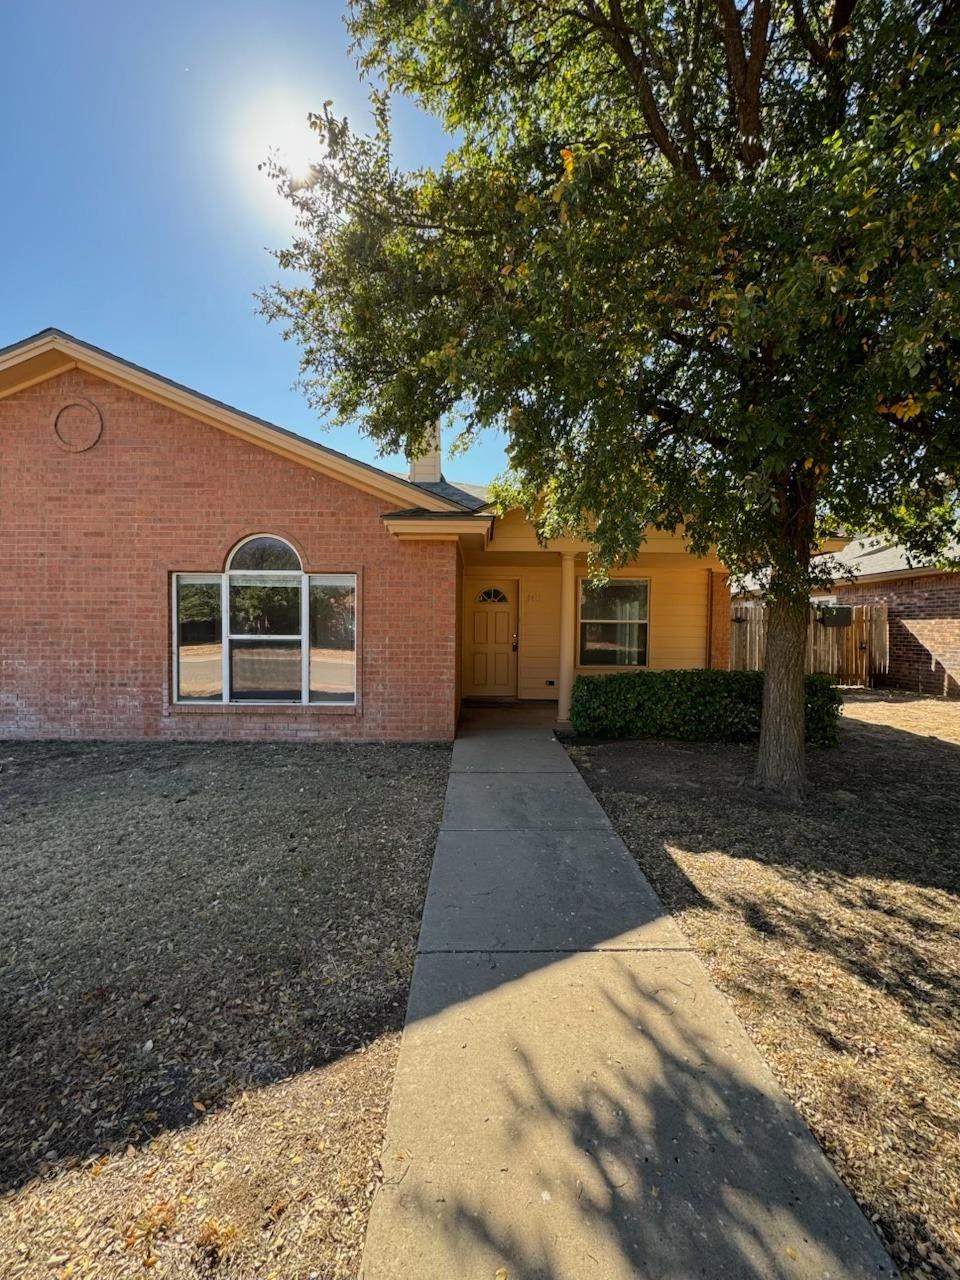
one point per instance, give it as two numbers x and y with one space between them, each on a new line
422 513
470 496
865 557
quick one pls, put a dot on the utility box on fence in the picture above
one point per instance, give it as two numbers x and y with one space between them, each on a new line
836 615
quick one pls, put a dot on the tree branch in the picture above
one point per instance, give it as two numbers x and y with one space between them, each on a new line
840 21
733 44
817 51
838 38
617 34
746 71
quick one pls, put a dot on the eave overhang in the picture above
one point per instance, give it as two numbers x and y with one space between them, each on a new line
831 543
420 525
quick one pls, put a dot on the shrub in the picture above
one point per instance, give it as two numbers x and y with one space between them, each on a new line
698 706
822 710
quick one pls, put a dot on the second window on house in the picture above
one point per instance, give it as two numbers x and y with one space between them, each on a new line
265 631
614 619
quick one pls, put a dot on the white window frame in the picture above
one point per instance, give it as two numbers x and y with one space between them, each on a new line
637 622
227 637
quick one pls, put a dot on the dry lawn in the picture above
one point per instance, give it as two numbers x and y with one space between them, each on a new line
834 929
207 951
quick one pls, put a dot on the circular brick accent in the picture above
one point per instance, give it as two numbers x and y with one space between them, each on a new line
77 426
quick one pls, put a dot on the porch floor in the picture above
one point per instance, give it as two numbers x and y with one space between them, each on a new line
491 717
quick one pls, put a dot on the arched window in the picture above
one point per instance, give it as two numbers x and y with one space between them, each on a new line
265 631
265 554
491 595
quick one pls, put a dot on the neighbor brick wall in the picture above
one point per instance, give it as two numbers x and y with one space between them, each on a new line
88 541
924 620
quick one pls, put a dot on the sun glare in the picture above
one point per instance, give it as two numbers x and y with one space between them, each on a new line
274 127
295 145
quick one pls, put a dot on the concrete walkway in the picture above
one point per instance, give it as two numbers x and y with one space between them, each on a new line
574 1099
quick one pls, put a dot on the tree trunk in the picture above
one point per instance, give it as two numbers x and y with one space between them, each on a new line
780 763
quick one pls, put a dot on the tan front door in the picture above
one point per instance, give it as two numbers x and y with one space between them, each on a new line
490 638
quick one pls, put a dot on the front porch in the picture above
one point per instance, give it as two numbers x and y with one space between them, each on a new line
478 717
530 621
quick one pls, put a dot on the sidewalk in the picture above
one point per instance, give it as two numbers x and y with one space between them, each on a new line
574 1099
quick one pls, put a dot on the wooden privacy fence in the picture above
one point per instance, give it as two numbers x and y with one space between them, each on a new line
850 642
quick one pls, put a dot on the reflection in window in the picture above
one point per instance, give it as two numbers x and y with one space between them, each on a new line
291 636
333 624
492 595
264 670
263 605
199 640
265 553
613 623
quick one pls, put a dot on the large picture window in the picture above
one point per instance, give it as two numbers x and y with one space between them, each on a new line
614 619
265 631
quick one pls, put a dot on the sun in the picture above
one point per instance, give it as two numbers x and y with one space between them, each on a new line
273 127
294 144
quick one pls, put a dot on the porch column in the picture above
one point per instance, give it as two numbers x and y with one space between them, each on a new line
568 619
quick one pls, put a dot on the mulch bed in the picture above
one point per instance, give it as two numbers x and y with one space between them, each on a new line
207 952
834 929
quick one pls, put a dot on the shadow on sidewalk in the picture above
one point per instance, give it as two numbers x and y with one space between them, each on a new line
676 1158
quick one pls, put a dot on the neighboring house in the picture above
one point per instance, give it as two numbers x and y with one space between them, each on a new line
923 610
172 567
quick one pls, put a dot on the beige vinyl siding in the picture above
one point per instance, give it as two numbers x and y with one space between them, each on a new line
679 615
513 533
539 632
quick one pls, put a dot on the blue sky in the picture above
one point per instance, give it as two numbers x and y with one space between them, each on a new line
132 213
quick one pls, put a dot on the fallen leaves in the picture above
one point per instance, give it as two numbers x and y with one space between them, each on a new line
833 930
184 1085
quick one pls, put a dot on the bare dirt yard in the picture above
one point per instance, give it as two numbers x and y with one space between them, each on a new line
205 963
834 928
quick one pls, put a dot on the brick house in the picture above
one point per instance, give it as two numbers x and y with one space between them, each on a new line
923 611
171 567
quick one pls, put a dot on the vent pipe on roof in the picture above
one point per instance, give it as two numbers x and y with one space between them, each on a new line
427 469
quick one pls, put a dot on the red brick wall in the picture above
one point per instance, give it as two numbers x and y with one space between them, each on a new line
924 619
718 659
88 541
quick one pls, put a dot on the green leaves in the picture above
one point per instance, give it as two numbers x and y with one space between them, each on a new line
694 706
687 292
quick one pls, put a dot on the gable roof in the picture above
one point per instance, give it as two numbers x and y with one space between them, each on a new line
51 352
879 557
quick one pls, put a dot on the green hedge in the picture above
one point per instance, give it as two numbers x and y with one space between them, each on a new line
698 706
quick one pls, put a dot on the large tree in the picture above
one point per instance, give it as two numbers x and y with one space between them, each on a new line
699 260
